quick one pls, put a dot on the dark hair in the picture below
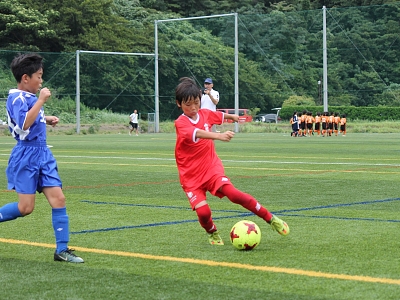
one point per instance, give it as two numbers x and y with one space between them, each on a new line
26 64
187 89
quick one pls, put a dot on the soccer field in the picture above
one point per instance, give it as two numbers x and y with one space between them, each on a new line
132 223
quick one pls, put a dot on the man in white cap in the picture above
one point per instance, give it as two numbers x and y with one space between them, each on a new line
210 97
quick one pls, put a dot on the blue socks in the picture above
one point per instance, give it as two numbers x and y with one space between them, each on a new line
9 212
61 228
59 218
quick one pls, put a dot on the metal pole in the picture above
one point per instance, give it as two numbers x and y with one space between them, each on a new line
325 62
78 95
156 88
236 72
119 53
194 18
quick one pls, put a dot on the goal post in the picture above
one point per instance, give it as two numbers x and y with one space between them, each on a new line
78 87
157 128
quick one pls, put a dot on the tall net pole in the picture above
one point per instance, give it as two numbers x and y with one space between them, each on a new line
325 61
156 89
236 71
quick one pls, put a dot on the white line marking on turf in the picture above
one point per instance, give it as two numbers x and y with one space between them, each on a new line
228 160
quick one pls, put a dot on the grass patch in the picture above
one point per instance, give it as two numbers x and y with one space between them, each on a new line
132 223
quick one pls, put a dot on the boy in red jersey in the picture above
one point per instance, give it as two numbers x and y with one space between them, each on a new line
200 169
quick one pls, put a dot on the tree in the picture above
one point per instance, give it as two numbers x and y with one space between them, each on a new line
86 25
280 52
25 28
298 101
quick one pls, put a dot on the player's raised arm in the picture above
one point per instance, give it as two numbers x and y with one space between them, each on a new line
234 118
224 136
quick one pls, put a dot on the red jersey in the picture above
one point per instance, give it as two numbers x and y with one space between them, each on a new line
196 159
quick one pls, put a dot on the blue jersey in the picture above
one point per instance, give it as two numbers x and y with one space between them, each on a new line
31 166
18 104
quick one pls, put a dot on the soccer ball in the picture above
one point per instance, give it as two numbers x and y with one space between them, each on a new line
245 235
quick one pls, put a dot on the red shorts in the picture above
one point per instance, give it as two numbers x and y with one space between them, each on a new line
212 185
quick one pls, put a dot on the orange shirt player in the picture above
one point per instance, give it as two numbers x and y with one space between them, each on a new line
310 122
337 122
343 122
317 125
331 121
200 169
324 122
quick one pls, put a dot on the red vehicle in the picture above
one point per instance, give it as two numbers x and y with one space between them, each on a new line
243 114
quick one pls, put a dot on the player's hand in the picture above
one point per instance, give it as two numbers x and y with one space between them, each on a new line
226 136
44 95
52 120
235 118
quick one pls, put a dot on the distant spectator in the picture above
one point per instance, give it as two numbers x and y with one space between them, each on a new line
210 97
133 121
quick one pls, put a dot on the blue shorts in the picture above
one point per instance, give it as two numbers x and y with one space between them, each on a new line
32 167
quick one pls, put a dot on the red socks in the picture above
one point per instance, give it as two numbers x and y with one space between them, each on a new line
204 215
247 201
235 196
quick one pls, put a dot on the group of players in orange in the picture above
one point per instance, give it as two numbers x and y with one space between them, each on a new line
324 124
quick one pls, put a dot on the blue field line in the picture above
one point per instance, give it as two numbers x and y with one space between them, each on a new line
341 218
156 224
156 206
241 214
336 205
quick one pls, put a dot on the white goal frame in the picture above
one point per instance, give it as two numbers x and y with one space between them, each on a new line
78 85
157 96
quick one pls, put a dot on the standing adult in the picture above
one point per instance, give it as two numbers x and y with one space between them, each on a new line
133 121
210 97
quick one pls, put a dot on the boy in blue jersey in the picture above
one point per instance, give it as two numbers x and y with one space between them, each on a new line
32 167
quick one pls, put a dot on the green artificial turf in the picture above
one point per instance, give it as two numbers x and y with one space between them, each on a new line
132 223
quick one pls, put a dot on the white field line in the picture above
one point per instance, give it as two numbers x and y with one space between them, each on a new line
229 160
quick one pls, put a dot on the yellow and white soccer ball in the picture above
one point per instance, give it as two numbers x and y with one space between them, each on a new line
245 235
